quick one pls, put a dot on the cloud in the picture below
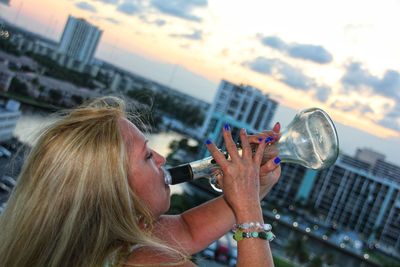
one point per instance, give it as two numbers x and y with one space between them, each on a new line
291 76
353 106
179 8
392 118
294 77
111 2
322 93
109 19
282 71
130 7
262 65
274 42
112 20
356 77
195 35
314 53
391 115
160 22
86 6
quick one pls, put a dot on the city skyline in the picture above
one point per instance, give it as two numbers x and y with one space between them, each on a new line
283 64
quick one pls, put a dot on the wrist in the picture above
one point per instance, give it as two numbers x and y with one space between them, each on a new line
249 215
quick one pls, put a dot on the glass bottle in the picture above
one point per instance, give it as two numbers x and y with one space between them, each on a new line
310 140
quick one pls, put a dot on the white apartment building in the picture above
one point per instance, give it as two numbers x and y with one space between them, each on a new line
9 115
352 197
79 39
5 77
241 106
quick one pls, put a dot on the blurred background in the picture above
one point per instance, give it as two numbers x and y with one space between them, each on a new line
191 66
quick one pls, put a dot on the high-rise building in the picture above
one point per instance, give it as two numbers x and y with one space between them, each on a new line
368 155
351 195
358 200
79 39
9 115
287 191
6 77
6 2
241 106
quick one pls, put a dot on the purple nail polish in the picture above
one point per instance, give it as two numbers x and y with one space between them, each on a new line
260 139
208 142
227 127
269 139
277 160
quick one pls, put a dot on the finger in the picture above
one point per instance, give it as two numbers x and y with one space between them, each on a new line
270 165
246 148
260 152
271 152
218 156
273 177
274 174
230 144
277 127
253 139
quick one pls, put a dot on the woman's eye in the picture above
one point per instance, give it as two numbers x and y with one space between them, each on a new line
149 155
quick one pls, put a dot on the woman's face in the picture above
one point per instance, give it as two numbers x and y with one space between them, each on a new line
145 175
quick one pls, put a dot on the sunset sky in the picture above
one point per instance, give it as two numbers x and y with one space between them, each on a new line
342 56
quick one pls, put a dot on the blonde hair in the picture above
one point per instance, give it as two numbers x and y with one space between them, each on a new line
72 205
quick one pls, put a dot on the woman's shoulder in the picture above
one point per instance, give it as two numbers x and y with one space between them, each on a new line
152 256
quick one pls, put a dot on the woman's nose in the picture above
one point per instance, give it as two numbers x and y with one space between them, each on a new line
160 160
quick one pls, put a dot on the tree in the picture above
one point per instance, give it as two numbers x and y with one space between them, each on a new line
55 95
296 249
329 259
35 81
315 262
77 99
18 86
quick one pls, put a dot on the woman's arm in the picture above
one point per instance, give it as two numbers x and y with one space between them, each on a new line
241 185
196 228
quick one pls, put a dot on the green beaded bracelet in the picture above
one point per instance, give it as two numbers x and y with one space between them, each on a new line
240 235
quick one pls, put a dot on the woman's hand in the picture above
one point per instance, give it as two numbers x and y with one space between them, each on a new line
270 170
240 180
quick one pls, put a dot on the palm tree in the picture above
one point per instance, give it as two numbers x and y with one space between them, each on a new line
329 259
296 249
315 262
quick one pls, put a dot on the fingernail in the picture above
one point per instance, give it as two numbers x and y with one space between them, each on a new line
208 142
277 160
277 127
260 139
269 139
244 131
227 127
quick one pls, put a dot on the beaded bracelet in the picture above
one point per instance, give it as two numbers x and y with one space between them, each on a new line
266 235
249 225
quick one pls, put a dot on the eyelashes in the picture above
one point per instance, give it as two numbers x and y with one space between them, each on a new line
149 155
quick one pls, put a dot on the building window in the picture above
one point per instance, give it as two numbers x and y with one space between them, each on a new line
234 104
260 116
251 113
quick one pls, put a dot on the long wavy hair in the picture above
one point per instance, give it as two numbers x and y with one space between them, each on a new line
72 205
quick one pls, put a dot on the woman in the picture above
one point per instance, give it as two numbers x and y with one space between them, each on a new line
92 193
